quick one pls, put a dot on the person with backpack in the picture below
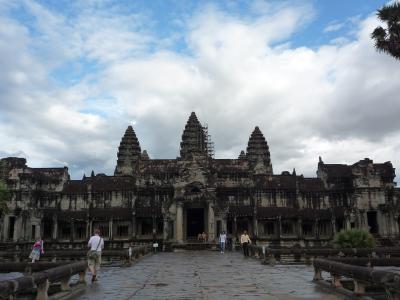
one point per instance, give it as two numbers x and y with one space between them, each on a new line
95 244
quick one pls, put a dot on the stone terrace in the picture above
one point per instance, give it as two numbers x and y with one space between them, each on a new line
205 275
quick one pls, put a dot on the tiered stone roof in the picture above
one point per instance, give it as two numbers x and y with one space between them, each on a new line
193 137
257 148
128 153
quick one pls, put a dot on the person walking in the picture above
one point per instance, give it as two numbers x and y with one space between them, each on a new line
95 244
245 241
37 250
222 241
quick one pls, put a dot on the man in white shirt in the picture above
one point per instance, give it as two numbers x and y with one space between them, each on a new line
222 241
95 244
245 241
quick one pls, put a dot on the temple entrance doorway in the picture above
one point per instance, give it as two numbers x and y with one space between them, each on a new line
194 222
372 221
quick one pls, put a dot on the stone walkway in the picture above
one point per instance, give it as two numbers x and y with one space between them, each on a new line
205 275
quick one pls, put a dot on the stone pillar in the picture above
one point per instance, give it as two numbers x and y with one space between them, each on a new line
235 227
211 221
333 224
110 229
87 235
90 227
72 230
134 227
37 230
179 222
224 225
55 227
18 231
278 232
255 227
165 229
299 228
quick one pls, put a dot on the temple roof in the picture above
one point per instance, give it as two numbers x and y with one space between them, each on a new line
257 147
193 137
129 153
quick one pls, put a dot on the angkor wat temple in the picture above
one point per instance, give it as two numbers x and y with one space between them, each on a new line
174 200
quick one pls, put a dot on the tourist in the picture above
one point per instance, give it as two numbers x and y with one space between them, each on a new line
37 250
222 241
96 244
200 237
245 241
204 237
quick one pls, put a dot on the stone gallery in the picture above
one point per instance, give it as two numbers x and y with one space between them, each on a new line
173 200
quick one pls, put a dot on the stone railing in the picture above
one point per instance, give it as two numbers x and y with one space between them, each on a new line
306 255
57 272
123 255
41 281
361 276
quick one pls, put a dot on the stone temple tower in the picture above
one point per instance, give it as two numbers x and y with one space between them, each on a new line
258 152
193 138
128 153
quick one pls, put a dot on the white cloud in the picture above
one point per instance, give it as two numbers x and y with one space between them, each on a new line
338 100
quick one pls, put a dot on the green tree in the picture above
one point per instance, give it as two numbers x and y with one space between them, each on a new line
4 198
354 238
387 40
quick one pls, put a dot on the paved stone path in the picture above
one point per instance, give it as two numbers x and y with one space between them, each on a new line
205 275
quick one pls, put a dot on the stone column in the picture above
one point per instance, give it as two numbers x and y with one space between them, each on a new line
255 227
223 224
316 230
165 229
235 227
55 227
18 231
278 234
179 222
211 221
333 224
110 229
72 230
134 227
300 228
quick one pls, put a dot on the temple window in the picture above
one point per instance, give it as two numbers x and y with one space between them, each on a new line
307 228
287 228
147 226
80 230
64 230
269 228
122 230
324 228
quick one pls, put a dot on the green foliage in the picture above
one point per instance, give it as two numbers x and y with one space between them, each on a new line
4 198
354 238
388 39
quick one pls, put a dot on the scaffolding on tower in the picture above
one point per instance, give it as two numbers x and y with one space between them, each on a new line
209 144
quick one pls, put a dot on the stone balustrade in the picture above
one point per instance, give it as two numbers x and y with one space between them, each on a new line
362 276
41 281
57 272
77 254
306 255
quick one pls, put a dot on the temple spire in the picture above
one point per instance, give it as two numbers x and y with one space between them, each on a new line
128 153
258 150
193 138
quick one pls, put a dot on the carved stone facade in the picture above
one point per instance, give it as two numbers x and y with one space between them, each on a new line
176 199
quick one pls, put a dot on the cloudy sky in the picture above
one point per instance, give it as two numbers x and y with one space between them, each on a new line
74 75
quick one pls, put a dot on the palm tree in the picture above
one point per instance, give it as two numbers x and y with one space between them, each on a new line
388 40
